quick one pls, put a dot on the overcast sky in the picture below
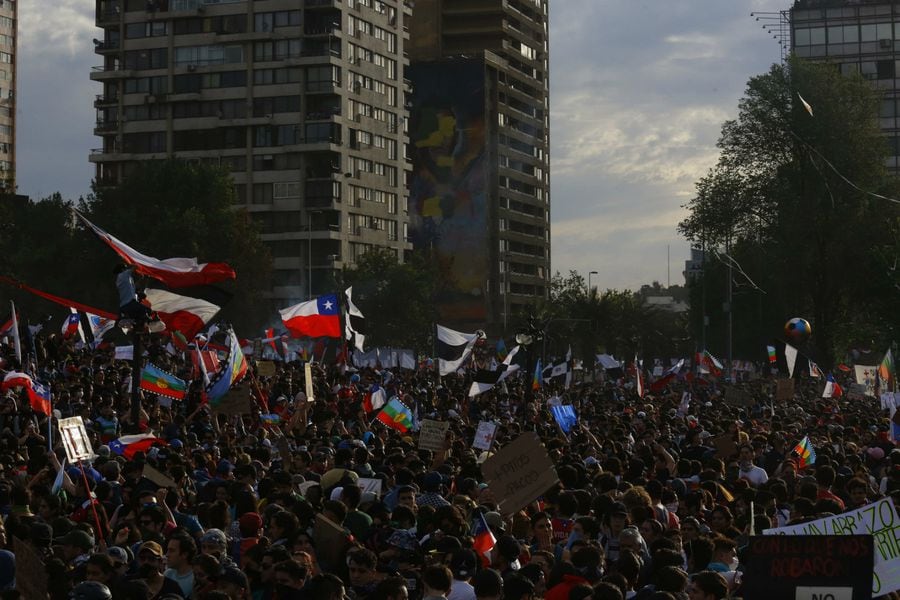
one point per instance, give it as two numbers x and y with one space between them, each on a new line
639 90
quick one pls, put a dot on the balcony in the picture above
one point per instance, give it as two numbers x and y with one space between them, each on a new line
102 73
105 47
321 29
100 100
322 4
106 126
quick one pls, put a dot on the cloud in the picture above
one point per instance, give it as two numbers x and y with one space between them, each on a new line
639 93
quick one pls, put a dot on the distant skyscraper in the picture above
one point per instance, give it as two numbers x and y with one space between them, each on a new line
479 140
303 102
9 21
857 36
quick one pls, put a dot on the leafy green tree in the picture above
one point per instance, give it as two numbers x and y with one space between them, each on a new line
178 208
780 201
396 299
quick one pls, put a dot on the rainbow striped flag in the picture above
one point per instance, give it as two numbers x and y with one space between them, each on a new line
501 349
536 380
772 356
805 452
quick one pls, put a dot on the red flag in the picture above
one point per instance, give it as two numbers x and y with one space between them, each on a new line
316 318
484 540
174 272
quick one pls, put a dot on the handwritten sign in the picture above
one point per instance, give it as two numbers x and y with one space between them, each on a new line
879 520
519 472
160 479
725 446
265 368
787 566
75 439
784 390
433 434
484 435
235 402
331 542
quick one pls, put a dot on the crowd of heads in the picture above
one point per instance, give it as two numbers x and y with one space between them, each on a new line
656 495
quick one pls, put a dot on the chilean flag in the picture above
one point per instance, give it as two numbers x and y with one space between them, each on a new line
832 389
181 313
129 445
174 272
16 379
72 326
484 540
316 318
39 398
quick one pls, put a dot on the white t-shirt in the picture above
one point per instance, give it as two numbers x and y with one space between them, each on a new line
461 590
756 476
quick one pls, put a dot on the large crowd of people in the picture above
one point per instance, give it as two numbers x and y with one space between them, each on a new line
313 497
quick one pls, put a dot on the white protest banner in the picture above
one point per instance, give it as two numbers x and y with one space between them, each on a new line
371 485
519 472
75 439
878 519
484 435
432 434
124 352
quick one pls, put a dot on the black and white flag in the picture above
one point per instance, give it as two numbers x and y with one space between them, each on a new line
559 368
485 380
453 348
355 324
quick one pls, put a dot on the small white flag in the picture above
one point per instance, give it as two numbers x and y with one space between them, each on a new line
805 104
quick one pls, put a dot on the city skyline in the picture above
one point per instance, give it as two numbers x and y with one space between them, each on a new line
638 95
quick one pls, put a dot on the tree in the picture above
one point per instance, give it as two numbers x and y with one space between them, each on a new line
789 195
178 208
396 299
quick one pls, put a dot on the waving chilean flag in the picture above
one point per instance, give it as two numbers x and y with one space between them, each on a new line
174 272
316 318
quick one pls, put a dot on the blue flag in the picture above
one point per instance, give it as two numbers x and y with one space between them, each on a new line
565 416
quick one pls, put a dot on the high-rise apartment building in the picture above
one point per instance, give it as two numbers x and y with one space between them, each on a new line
9 21
479 140
302 100
857 36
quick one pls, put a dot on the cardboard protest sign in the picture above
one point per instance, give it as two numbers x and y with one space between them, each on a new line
879 520
371 485
808 566
784 390
725 446
866 375
484 435
433 434
31 575
265 368
736 397
163 481
857 391
307 372
235 402
75 439
519 472
331 542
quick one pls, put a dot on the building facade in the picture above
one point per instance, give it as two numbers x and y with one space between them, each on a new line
302 101
492 58
9 21
857 36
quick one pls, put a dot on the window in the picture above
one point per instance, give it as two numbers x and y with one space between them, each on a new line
146 85
273 76
6 57
156 58
262 193
885 69
322 79
208 55
287 189
280 104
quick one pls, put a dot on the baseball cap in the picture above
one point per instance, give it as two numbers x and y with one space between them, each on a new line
151 547
214 536
463 563
117 554
79 538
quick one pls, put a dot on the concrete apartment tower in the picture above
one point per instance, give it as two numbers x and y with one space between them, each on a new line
857 36
9 21
302 100
479 141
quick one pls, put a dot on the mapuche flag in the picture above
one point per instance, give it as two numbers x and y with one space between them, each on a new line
396 415
157 381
